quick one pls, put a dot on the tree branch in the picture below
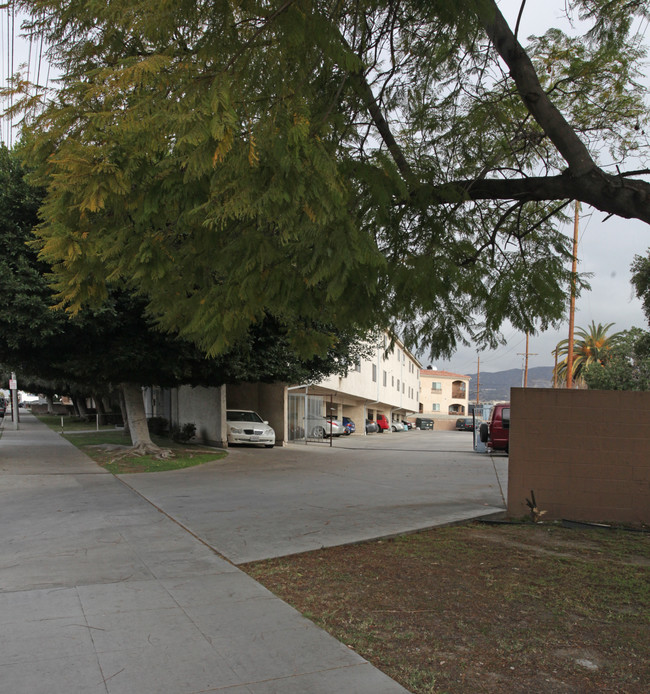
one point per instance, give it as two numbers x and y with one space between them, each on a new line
611 194
522 71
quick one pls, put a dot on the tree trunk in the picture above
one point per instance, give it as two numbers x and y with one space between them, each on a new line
50 404
125 419
101 410
137 423
80 405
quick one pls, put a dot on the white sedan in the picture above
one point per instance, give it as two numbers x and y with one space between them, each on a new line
246 426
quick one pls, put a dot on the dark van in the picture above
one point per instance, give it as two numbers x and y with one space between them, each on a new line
423 423
496 434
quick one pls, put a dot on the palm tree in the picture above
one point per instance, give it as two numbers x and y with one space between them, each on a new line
589 346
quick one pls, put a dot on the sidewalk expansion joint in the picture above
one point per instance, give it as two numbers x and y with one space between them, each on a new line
174 520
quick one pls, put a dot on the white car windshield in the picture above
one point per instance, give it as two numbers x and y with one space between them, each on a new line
243 416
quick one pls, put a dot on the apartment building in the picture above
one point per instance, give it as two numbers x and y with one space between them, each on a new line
443 396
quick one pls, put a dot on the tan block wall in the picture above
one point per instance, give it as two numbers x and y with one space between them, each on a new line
585 454
444 423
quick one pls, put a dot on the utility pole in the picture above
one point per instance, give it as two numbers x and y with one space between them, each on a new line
572 306
555 369
478 378
525 355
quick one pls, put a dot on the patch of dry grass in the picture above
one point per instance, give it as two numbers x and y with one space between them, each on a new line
481 608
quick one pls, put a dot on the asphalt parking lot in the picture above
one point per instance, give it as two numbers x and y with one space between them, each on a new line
260 503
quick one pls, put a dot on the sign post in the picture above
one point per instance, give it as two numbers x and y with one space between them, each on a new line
13 387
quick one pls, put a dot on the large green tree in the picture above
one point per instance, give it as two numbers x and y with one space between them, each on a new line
360 163
115 344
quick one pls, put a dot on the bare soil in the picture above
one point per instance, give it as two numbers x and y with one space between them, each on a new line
485 608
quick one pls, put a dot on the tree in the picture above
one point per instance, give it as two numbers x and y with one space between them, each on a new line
641 281
590 346
116 344
354 164
627 366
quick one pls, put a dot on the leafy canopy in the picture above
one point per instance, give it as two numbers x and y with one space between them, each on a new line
366 163
627 366
116 342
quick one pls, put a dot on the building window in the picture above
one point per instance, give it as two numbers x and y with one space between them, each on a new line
392 381
435 407
398 385
374 372
403 388
385 378
436 387
357 366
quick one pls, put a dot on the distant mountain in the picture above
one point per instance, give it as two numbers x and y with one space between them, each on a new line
496 385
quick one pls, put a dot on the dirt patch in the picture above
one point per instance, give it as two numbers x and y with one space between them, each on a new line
482 608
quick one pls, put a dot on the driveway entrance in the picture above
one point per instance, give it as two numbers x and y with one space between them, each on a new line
260 503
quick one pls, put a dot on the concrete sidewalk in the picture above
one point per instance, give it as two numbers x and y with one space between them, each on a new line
101 592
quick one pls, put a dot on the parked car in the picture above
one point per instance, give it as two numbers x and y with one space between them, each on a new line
246 426
318 427
334 427
466 424
3 406
496 434
349 426
407 425
423 423
397 426
371 427
383 423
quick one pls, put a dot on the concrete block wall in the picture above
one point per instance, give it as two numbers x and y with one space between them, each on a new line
584 453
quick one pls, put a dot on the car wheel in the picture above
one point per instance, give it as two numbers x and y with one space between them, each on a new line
380 430
483 433
318 433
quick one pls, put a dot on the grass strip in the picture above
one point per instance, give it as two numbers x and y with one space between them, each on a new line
107 448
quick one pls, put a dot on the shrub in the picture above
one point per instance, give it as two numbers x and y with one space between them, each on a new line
183 433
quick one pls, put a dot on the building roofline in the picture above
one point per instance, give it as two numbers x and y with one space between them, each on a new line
444 374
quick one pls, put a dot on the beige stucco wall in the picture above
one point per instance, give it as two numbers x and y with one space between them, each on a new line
585 454
203 407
